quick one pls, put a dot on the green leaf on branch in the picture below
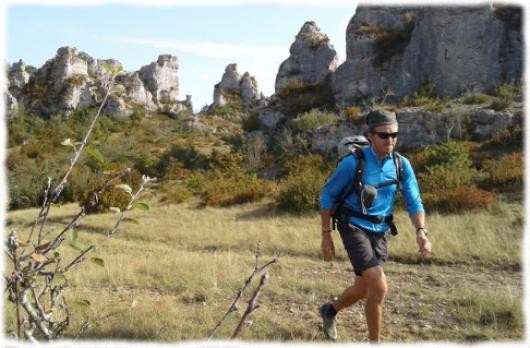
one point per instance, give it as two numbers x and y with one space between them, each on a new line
67 142
73 234
115 210
82 303
75 246
98 261
131 220
111 69
125 188
140 206
118 89
95 154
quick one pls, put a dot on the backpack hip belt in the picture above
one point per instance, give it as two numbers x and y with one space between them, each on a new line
347 212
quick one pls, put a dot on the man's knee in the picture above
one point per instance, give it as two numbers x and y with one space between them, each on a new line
375 283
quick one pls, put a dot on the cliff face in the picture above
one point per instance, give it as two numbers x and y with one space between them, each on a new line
456 48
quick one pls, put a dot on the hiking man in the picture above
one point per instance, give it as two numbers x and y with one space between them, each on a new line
365 218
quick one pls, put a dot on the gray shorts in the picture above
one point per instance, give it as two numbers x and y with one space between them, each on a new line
365 249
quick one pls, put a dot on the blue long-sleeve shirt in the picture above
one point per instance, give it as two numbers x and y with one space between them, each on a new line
376 173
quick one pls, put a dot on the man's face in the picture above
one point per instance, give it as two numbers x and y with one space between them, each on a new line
383 139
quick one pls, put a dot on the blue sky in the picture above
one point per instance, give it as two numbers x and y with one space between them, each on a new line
255 35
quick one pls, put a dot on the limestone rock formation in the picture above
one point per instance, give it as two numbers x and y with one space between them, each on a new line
395 49
138 94
73 80
249 89
312 59
11 104
161 79
17 77
306 74
234 88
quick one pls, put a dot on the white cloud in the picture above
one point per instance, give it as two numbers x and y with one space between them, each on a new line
230 51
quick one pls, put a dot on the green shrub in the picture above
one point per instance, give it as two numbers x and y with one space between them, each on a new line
438 179
505 170
313 119
250 122
313 162
174 192
450 153
300 192
504 96
480 98
112 197
224 190
459 200
26 185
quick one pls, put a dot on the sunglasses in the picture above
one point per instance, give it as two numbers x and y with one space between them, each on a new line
384 135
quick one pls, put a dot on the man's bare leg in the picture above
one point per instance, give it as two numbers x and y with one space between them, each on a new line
351 295
376 285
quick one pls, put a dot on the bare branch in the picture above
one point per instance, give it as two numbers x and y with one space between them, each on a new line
80 258
234 306
44 205
252 305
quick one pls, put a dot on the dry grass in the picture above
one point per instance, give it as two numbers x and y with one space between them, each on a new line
174 275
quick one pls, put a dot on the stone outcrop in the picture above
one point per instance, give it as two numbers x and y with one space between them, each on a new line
73 80
312 59
17 77
423 128
306 74
161 79
234 88
395 49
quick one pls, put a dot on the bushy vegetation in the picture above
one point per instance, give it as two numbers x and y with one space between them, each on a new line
299 191
311 120
427 98
448 179
506 170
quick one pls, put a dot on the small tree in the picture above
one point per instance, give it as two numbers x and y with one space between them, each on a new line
38 275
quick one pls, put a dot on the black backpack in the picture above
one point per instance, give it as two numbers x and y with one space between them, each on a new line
352 146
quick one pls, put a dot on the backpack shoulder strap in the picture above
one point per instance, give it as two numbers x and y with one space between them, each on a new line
399 168
358 176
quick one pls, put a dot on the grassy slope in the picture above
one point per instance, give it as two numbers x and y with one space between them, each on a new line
174 275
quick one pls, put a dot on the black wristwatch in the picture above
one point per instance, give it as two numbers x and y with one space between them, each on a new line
426 231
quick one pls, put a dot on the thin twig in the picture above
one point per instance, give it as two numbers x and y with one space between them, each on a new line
41 209
234 306
80 258
251 305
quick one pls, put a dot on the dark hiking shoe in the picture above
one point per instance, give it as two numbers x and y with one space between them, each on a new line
329 326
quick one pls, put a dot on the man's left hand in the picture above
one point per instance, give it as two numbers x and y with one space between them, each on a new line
424 245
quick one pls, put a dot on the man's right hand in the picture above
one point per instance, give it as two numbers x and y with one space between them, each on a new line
327 247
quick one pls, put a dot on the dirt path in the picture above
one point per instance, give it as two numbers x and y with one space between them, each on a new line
440 303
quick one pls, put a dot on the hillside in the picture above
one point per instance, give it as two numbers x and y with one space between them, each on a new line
183 266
